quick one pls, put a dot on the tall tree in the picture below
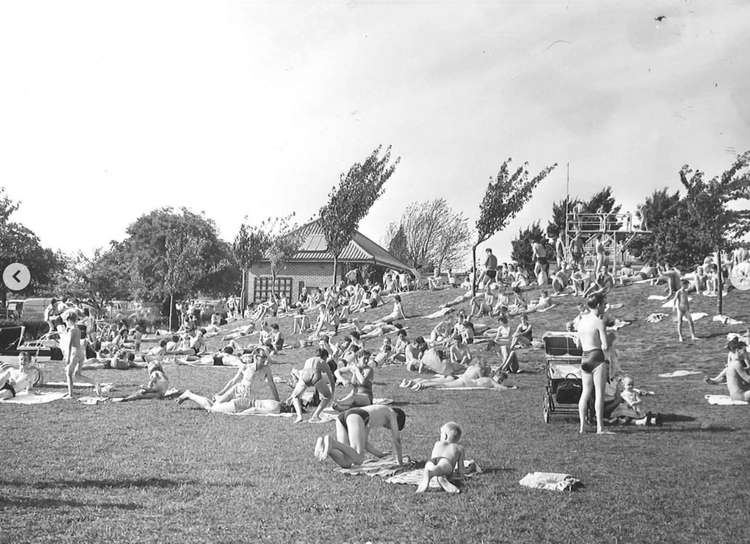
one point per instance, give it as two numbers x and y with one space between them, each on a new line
708 206
283 241
396 241
182 255
505 196
658 209
350 202
248 248
433 234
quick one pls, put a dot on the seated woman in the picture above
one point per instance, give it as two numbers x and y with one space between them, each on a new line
396 313
193 344
237 395
414 352
315 373
441 332
522 335
360 375
464 328
459 352
16 380
738 377
155 388
477 375
399 347
353 429
503 325
385 353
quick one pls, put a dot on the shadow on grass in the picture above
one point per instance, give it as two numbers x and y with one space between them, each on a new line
101 484
672 418
692 429
34 502
412 403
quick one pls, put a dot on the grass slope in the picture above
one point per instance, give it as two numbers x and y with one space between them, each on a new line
154 472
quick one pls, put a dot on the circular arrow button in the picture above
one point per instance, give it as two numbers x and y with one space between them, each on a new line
16 276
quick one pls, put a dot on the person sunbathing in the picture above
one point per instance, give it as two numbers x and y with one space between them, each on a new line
459 352
155 388
396 313
314 373
477 375
384 354
360 375
735 350
446 459
16 380
682 305
399 347
353 428
463 328
121 360
237 394
503 328
434 360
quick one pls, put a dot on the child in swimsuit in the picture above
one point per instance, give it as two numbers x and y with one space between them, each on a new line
682 305
634 397
447 457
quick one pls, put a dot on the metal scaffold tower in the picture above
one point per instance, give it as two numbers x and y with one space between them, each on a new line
615 230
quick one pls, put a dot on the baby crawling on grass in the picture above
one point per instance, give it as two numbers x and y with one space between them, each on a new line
447 457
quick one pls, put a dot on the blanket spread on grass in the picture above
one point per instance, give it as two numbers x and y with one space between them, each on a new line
726 320
34 398
414 476
679 373
724 400
384 467
551 481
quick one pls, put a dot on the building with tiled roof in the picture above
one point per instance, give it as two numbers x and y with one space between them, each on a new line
312 266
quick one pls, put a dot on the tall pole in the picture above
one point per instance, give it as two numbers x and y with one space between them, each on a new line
567 204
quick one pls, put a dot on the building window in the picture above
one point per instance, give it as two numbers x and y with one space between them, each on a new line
262 288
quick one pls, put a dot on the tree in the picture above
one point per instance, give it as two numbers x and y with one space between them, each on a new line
505 196
182 255
143 254
707 206
348 204
283 242
522 253
248 248
659 207
20 244
395 240
433 234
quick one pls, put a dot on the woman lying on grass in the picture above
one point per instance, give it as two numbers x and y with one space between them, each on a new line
353 432
477 375
237 394
315 373
155 388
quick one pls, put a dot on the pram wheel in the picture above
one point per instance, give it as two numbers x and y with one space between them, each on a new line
545 408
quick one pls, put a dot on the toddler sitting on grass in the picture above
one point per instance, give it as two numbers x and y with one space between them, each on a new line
634 400
447 457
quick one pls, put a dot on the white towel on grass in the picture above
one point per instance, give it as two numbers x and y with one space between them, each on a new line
657 297
726 320
551 481
679 373
724 400
34 398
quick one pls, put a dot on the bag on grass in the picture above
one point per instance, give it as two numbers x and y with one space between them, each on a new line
569 390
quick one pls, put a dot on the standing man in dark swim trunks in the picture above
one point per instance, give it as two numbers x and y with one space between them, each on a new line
592 337
490 268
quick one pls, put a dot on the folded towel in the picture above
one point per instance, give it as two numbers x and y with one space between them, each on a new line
724 400
552 481
657 297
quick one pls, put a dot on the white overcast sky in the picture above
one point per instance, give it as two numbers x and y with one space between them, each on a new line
237 108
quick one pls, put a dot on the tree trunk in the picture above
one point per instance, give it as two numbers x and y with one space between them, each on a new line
273 281
335 268
171 306
474 269
719 296
242 291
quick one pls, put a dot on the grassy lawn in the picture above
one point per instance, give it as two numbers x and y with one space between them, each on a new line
152 471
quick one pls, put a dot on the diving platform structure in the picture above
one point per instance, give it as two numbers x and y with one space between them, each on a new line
615 230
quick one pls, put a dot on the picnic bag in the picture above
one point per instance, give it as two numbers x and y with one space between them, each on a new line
569 390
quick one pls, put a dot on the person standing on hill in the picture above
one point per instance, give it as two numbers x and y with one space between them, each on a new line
490 268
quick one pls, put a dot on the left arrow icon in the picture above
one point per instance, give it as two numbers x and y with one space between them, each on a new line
16 276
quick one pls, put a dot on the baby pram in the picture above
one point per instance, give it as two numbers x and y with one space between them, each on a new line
563 369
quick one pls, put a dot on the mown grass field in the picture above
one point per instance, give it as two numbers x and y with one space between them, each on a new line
152 471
